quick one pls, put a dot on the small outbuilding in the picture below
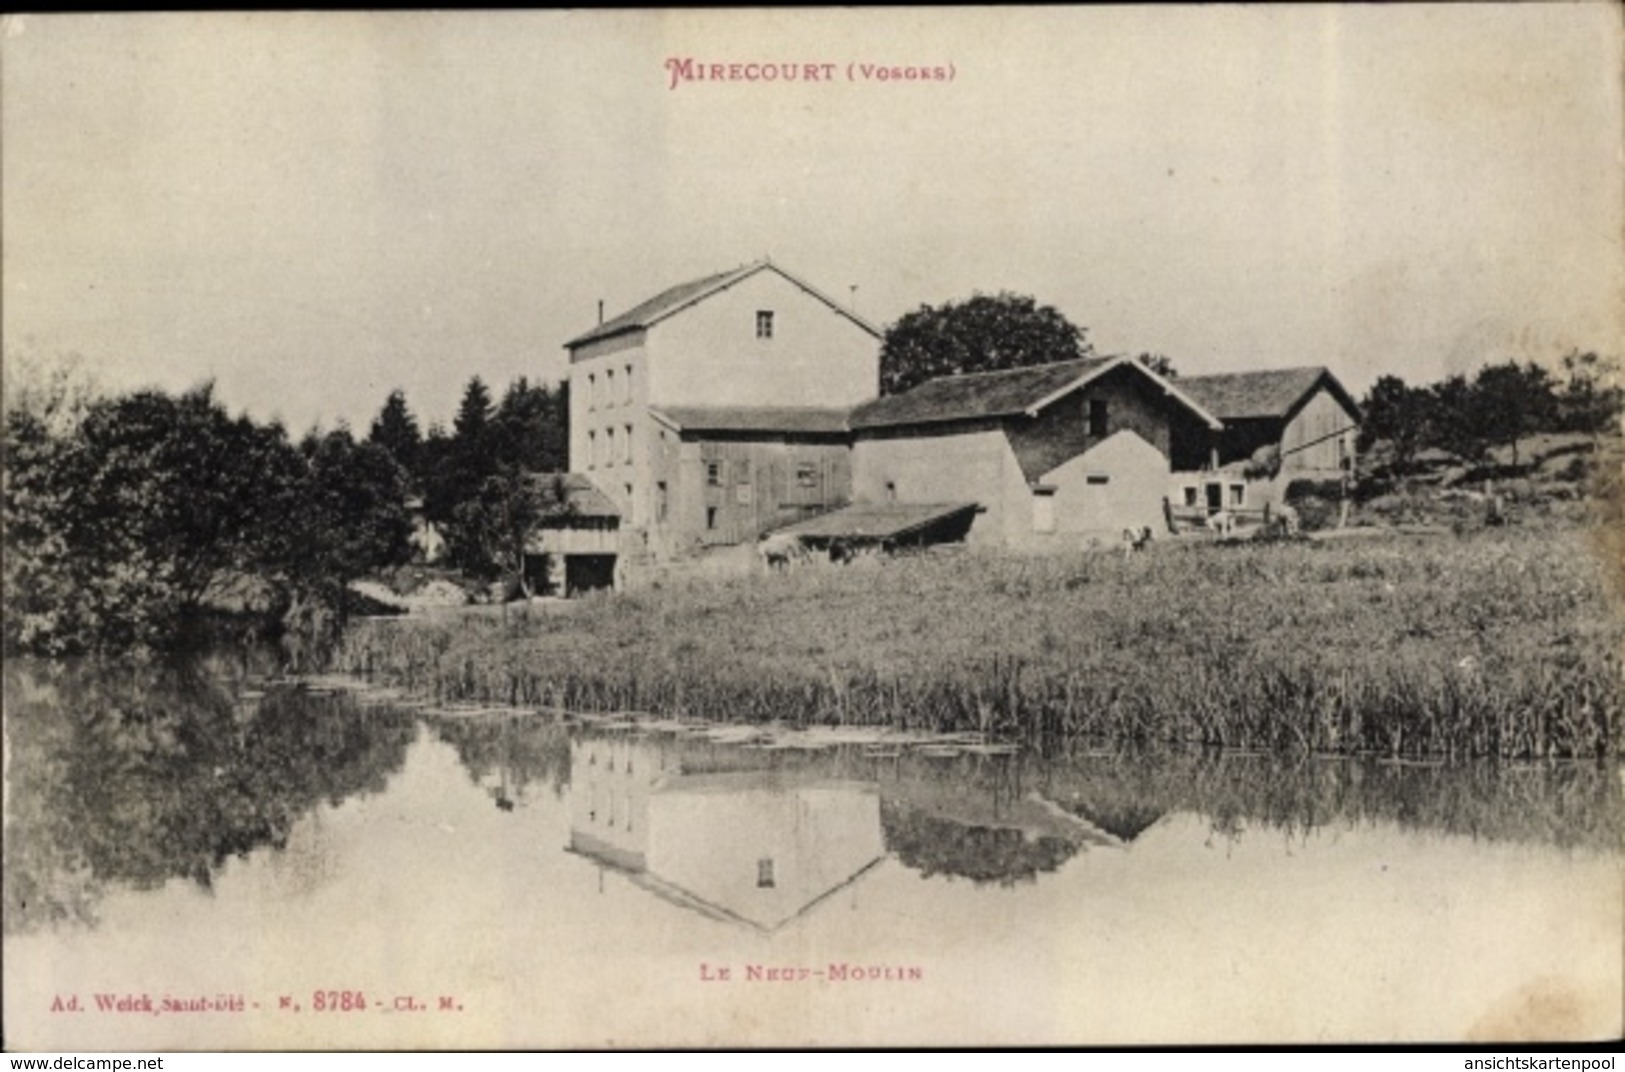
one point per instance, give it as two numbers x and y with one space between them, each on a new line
1303 413
1051 454
574 547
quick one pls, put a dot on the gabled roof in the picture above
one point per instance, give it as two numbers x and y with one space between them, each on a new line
675 299
1007 393
1269 393
580 494
767 420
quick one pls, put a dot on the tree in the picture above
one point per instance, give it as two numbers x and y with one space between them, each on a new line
1593 396
1453 420
982 334
493 526
1161 364
456 466
354 518
529 429
45 403
154 508
349 519
1398 415
481 493
1510 401
396 430
474 412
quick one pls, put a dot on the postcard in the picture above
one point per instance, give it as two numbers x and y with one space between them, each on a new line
816 528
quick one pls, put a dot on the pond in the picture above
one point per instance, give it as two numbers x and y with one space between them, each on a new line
197 859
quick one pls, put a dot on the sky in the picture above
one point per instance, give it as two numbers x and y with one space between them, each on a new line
315 209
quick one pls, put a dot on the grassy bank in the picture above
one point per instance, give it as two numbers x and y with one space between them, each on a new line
1502 643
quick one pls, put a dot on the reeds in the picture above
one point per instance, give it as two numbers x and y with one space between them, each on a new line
1499 644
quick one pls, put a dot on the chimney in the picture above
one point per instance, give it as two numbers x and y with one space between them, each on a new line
600 312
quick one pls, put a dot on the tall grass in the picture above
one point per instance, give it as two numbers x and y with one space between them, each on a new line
1498 644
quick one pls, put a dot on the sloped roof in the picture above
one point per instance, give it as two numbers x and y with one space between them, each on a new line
1268 393
802 420
875 521
681 296
999 394
581 494
975 394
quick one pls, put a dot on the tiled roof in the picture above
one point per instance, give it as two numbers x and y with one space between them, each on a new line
976 394
582 495
672 299
1271 393
804 420
667 301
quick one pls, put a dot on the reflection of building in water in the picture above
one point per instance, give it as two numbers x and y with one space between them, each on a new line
755 847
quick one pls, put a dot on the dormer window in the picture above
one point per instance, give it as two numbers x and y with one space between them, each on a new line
764 323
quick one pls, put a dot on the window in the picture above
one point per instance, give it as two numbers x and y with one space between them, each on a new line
1098 422
713 474
592 392
764 873
592 449
1238 494
626 386
1044 510
626 446
1097 479
609 388
609 446
710 517
891 491
764 323
807 475
660 501
1190 494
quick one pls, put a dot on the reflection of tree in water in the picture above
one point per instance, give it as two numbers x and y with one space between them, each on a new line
1566 804
515 752
938 846
139 774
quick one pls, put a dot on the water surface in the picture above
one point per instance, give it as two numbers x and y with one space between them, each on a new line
496 880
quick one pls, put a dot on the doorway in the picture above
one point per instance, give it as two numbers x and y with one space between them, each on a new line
588 573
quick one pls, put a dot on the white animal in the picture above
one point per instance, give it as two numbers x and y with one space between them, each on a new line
780 551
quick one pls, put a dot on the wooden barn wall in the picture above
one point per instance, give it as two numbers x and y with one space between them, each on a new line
763 485
1305 446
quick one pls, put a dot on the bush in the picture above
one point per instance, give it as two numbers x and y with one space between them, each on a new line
1318 502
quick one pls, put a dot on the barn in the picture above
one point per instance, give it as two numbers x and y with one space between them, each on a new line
1304 413
1052 455
1280 425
